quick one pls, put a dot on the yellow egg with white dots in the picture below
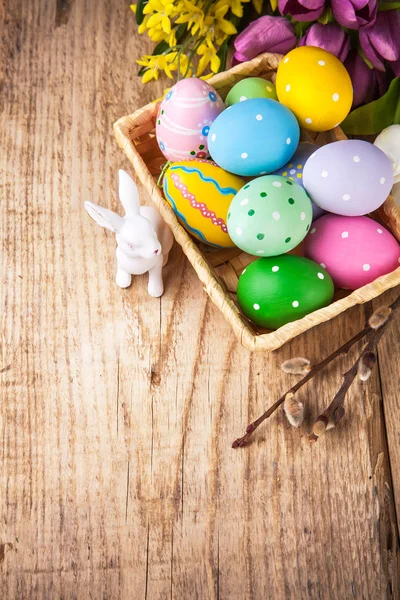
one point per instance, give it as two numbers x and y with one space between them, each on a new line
315 86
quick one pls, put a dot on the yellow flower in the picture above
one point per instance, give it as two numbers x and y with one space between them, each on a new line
155 64
133 8
160 13
185 68
217 28
192 15
226 26
222 7
162 18
171 39
258 5
208 55
143 26
208 76
156 34
157 6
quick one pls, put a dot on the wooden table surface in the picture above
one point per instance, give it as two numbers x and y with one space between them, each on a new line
117 414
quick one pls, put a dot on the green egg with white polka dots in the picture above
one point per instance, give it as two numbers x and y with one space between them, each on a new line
269 216
252 87
277 290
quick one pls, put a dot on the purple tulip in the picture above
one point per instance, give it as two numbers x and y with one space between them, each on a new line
266 34
302 10
354 13
330 37
381 41
362 78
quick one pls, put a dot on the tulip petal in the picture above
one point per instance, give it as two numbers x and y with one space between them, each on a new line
330 37
266 34
302 10
354 13
385 35
370 51
396 67
362 78
381 41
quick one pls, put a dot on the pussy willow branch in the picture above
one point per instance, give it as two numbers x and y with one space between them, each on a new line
334 413
242 441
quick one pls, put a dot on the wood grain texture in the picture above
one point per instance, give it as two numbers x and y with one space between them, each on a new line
117 411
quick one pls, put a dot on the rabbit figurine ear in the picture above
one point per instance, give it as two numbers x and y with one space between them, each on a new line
128 194
104 217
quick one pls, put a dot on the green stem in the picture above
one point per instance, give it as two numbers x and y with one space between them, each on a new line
192 53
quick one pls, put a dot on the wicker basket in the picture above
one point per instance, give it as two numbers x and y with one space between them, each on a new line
219 269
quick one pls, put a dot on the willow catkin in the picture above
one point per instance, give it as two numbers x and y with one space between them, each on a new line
296 366
294 410
379 317
366 364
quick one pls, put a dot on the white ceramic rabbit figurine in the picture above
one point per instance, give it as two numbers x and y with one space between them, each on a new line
144 239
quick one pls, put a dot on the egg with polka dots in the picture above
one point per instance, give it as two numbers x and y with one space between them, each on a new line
349 177
184 118
251 87
269 216
254 137
274 291
293 170
315 85
354 250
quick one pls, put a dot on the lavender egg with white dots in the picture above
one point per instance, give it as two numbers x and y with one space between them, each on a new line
254 137
293 170
354 250
348 177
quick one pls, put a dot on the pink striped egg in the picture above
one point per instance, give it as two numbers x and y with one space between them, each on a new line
184 119
354 250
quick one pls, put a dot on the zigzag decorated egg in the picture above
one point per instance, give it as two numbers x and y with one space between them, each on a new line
184 119
200 193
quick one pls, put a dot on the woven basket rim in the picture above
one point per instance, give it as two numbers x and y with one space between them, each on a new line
251 340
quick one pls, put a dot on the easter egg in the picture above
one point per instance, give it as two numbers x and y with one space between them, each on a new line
269 216
200 193
389 142
275 291
293 170
315 85
184 119
253 137
349 177
252 87
354 250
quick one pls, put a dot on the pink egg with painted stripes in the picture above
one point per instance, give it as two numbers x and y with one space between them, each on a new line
354 250
184 119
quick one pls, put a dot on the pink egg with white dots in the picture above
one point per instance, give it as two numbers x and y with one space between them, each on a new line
354 250
184 119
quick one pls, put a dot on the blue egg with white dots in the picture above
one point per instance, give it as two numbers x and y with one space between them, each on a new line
293 171
253 137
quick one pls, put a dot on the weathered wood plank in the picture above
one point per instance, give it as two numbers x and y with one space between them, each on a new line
117 411
389 368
